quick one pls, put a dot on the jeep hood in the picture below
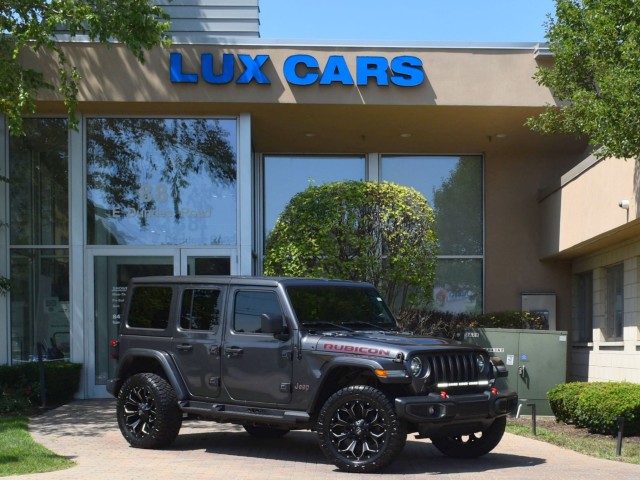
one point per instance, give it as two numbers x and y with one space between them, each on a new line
377 344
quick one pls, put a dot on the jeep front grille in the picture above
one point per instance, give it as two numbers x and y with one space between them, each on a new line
454 370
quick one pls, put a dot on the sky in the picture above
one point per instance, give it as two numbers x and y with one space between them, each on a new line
406 20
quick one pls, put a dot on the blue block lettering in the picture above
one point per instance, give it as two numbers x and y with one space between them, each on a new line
291 66
407 71
372 67
175 69
228 69
253 69
336 70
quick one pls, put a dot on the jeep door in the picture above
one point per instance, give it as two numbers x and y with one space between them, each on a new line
196 342
256 367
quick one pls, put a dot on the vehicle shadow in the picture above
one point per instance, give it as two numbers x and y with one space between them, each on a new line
418 457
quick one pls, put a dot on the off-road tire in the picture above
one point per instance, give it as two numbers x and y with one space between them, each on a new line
148 413
359 430
259 431
474 445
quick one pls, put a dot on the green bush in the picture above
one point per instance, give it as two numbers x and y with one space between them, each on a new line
563 400
452 325
509 319
20 384
596 406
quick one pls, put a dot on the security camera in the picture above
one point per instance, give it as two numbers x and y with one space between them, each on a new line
624 204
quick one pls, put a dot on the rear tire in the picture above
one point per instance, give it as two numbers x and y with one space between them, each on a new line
473 445
148 412
359 429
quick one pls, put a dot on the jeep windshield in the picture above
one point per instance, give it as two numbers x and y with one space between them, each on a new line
340 308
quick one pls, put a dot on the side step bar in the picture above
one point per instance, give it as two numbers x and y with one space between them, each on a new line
238 413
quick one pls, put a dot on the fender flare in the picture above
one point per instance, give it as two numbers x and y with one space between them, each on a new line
166 363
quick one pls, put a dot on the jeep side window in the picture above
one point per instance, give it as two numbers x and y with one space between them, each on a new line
150 307
249 307
200 310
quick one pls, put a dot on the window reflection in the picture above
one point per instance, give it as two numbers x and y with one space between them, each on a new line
40 314
39 198
287 175
453 187
161 181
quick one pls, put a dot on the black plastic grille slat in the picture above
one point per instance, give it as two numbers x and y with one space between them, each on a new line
452 368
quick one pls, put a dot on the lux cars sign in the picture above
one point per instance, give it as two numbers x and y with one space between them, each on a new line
403 71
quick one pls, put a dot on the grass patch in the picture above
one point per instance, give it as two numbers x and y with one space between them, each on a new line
20 454
578 440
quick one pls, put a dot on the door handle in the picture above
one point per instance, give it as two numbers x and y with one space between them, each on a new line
233 351
522 370
184 347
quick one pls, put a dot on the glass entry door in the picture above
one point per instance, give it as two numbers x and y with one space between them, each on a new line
109 273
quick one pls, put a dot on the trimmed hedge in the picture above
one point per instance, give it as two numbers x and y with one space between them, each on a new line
20 384
596 406
452 325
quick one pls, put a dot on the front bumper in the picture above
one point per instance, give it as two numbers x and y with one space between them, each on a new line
455 414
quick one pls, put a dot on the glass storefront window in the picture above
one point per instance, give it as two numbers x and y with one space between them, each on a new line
40 314
39 199
458 285
453 187
161 181
287 175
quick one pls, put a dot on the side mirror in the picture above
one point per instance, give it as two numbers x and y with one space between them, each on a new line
272 324
500 368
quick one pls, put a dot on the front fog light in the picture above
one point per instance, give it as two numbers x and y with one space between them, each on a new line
416 366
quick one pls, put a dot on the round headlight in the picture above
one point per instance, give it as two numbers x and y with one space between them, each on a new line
416 366
482 362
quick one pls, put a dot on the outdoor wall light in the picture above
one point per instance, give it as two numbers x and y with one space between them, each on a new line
624 204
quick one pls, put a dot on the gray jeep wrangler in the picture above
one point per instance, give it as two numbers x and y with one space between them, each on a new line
275 355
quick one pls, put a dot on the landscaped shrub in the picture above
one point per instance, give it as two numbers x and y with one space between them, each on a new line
509 319
20 384
597 406
563 400
452 325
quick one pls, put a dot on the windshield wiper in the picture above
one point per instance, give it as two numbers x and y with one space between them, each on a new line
324 326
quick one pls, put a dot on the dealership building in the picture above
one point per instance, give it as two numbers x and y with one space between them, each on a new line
181 165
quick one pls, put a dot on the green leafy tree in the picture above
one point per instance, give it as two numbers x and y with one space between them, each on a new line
32 24
381 233
595 75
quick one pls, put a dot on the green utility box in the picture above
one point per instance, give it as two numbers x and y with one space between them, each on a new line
535 359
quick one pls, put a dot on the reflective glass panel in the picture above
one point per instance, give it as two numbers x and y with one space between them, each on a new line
40 314
39 189
161 181
287 175
458 286
453 187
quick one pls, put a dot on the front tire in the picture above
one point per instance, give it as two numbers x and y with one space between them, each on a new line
473 445
148 412
359 430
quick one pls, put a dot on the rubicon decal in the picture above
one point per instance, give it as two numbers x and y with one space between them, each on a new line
302 70
356 349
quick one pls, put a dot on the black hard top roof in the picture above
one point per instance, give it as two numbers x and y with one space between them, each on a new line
240 280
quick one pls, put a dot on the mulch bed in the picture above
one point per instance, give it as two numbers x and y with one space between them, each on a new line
549 423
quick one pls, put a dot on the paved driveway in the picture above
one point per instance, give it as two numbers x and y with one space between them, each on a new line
87 432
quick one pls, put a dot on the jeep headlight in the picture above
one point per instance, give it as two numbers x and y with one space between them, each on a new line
481 362
416 366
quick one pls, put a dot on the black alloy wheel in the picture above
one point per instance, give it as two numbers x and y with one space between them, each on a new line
148 412
474 444
359 430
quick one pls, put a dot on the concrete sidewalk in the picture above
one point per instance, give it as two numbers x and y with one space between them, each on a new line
87 432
